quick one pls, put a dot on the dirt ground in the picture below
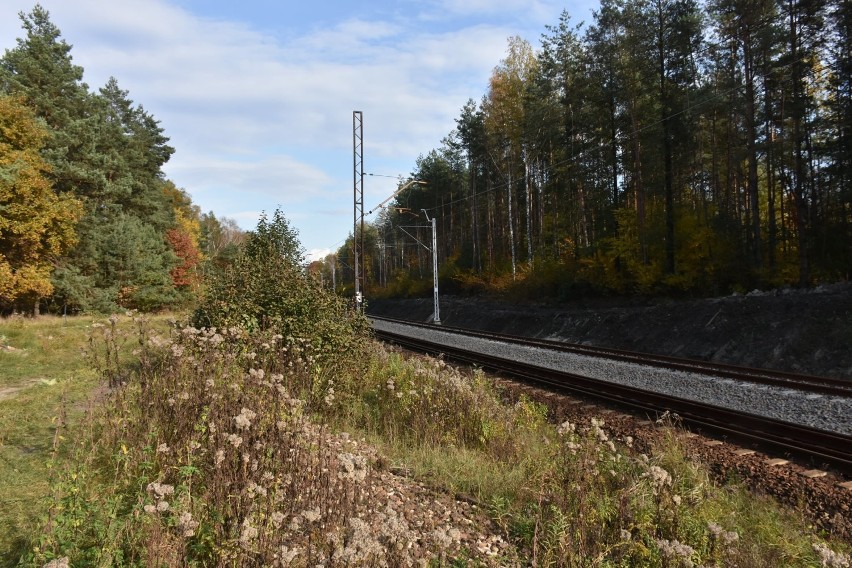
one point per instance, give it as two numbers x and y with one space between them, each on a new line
803 331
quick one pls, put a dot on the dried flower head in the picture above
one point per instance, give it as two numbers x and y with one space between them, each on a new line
660 477
719 534
677 551
244 418
830 558
312 515
248 534
286 555
352 467
160 490
566 428
187 524
278 519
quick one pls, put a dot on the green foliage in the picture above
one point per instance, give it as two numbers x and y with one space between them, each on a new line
266 289
402 285
120 263
106 152
40 69
431 403
219 241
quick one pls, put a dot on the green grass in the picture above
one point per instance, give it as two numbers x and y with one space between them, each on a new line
46 384
45 381
567 497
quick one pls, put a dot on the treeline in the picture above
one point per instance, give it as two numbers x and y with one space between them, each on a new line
670 146
88 221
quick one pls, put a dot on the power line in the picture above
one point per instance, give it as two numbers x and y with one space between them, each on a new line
384 176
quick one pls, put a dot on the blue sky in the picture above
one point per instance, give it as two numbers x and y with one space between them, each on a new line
257 95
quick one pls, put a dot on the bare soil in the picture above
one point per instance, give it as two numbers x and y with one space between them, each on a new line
802 331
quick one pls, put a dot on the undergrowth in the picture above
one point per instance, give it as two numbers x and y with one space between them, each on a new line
240 443
226 448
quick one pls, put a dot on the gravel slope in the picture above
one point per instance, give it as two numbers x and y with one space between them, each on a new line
829 413
805 331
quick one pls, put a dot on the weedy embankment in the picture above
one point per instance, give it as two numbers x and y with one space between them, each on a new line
239 441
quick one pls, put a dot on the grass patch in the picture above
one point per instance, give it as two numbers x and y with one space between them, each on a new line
43 382
222 449
46 383
573 496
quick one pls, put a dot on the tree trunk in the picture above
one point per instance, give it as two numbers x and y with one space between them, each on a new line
751 150
511 225
529 186
799 159
477 265
770 181
667 149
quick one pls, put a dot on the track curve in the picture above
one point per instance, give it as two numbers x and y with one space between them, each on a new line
809 418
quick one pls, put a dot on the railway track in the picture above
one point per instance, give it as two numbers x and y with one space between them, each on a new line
803 417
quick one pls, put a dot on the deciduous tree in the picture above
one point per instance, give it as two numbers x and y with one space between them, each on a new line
36 224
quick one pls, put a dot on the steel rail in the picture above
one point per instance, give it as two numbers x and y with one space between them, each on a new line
816 447
809 383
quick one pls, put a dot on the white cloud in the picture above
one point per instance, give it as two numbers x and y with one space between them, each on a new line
317 254
260 120
278 177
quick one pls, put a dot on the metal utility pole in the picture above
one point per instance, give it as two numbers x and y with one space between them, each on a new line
358 183
436 318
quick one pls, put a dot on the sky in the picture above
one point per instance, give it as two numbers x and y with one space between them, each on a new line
257 96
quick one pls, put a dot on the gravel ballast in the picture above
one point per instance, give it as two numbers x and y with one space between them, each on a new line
824 412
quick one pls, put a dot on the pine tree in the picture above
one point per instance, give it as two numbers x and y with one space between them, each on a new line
106 151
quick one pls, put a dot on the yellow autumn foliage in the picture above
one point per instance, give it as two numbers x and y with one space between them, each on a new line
36 225
187 216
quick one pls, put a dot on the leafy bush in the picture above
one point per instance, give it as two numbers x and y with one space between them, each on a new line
219 448
266 289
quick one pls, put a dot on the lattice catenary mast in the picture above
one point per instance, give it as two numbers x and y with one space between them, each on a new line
358 183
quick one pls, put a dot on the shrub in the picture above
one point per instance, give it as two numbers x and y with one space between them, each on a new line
266 289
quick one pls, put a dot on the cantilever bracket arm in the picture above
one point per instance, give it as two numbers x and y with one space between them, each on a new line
415 238
397 192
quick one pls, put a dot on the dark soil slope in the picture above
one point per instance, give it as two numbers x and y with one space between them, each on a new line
807 331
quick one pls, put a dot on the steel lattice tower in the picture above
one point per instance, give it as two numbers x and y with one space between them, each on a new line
358 183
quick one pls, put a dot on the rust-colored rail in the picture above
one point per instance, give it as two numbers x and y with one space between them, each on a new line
813 446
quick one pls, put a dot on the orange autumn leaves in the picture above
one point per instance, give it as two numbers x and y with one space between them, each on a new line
184 274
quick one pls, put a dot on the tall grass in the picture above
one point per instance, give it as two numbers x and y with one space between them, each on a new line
44 383
220 451
228 448
239 441
571 495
